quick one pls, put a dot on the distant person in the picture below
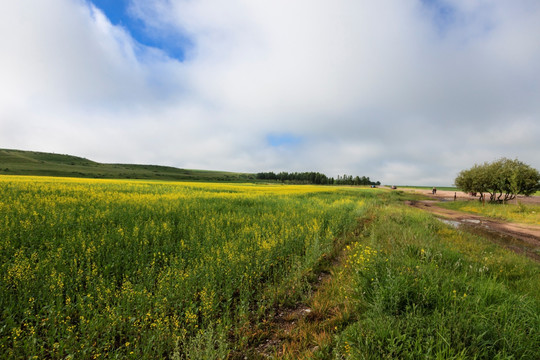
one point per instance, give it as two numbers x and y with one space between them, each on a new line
455 196
434 191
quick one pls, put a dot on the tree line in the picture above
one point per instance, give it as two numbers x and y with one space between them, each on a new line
315 178
502 179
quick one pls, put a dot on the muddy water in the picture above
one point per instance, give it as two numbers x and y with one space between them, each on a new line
476 227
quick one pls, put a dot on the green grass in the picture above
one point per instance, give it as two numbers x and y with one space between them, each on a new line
17 162
424 290
523 213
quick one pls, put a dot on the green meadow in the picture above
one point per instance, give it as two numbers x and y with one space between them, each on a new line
33 163
125 269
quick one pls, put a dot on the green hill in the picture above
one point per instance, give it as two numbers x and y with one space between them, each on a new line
18 162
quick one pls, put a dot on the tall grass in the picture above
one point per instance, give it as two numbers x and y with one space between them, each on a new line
134 269
424 290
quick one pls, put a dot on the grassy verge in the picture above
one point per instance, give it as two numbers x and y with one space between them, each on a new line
523 213
423 290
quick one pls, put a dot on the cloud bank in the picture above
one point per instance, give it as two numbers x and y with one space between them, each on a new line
406 92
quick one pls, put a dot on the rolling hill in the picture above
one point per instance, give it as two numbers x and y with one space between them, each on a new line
19 162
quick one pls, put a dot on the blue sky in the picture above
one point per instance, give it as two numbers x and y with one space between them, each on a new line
118 12
283 140
443 14
405 92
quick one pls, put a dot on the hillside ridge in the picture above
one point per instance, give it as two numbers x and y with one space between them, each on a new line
22 162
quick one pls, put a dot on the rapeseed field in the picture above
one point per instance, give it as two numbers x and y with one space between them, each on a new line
119 269
93 269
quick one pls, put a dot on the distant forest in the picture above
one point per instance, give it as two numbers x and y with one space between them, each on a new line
316 178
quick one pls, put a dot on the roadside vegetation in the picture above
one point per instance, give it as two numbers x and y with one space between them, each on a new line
425 290
144 270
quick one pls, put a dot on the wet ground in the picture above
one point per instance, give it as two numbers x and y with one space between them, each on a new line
510 242
520 238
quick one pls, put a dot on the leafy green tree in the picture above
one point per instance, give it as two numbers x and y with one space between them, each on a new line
525 180
502 179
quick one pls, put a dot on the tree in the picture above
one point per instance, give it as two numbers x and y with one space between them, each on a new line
314 178
524 179
502 179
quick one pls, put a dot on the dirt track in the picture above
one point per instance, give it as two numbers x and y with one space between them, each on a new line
449 195
521 238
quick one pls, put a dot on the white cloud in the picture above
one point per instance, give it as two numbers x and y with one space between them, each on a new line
388 89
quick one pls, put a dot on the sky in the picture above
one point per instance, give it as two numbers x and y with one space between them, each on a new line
407 92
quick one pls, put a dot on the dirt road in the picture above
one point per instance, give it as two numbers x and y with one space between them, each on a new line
520 238
442 195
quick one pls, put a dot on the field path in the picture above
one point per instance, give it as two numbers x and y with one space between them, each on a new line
446 195
309 326
520 238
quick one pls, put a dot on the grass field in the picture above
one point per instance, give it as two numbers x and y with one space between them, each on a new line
139 269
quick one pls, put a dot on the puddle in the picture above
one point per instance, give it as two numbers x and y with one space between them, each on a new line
452 223
476 227
472 221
